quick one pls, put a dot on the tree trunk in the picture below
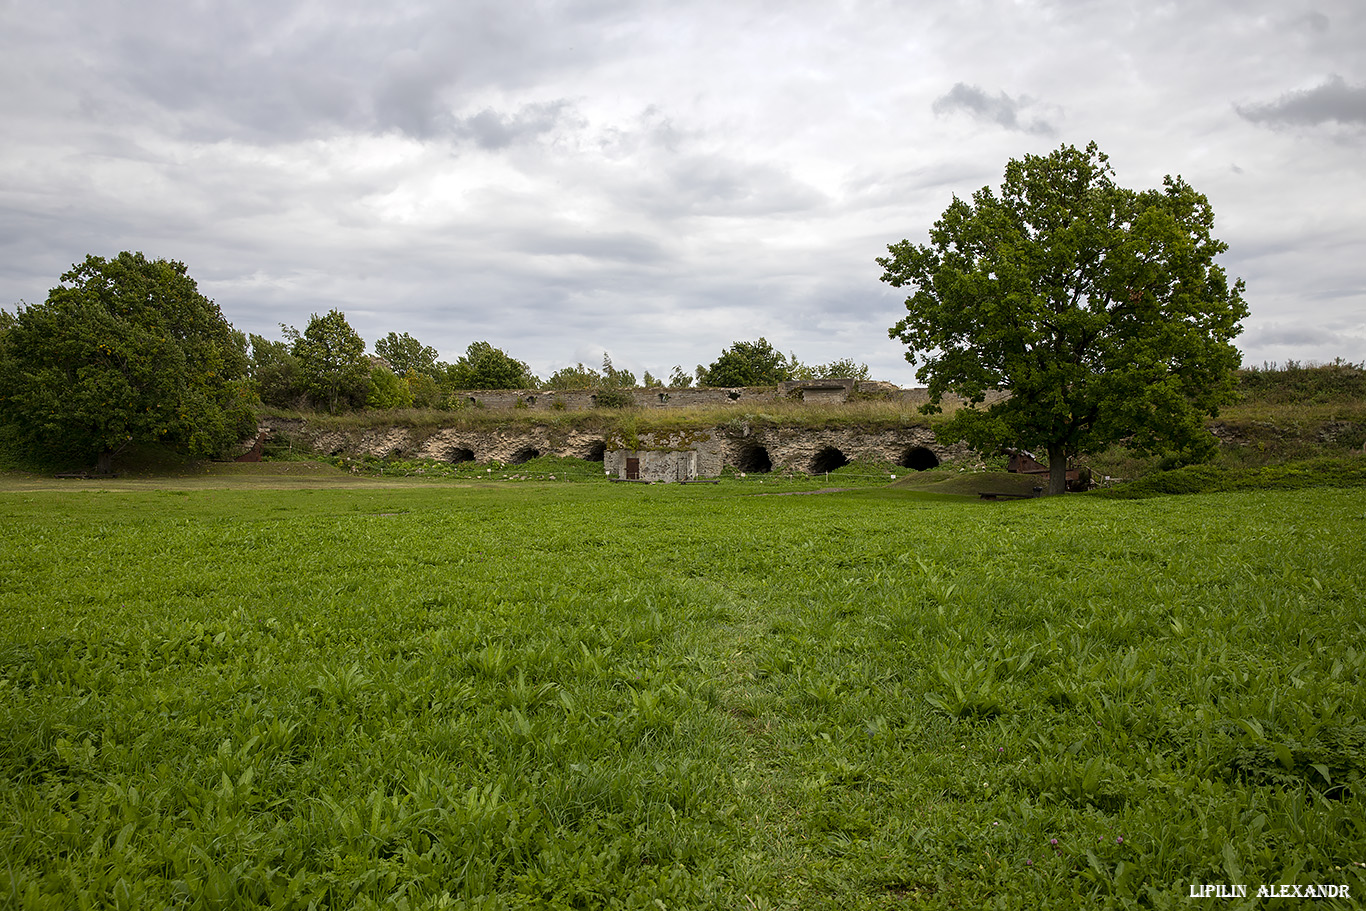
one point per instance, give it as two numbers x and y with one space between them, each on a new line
1057 469
104 462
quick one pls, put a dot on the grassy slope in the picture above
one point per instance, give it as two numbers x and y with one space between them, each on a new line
598 695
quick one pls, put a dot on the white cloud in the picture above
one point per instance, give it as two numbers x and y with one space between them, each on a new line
655 179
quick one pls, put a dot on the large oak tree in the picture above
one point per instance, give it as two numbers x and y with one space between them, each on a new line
124 349
1099 309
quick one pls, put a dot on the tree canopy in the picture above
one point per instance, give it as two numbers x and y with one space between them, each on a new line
614 377
124 349
581 377
843 368
1098 308
276 373
486 367
576 377
406 355
746 364
332 361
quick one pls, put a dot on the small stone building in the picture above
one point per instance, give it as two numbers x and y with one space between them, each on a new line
657 466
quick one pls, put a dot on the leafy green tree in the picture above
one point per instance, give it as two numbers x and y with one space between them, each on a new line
844 368
650 382
124 349
275 373
387 389
746 364
406 355
1099 309
576 377
486 367
425 391
613 378
332 360
678 379
613 397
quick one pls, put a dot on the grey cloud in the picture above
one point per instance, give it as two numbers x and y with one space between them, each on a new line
721 186
264 72
1315 21
875 189
1333 102
1292 336
1001 109
490 129
616 250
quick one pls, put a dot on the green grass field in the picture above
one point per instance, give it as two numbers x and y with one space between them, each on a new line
291 692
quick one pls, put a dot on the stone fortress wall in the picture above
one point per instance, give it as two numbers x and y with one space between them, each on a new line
736 444
812 391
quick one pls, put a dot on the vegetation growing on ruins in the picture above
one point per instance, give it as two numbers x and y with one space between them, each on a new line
873 414
477 696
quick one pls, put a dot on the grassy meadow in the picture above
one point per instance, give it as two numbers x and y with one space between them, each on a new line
299 692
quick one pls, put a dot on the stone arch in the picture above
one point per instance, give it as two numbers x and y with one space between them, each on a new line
461 454
919 458
828 459
525 454
753 459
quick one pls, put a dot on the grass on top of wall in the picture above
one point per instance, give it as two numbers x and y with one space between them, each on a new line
868 414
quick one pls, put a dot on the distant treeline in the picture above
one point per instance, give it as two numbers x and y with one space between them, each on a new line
127 349
326 367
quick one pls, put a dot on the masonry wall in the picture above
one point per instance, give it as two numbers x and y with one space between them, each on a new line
656 466
812 392
734 445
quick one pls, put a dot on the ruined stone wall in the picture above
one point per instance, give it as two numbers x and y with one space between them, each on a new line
451 445
584 399
736 445
812 392
796 449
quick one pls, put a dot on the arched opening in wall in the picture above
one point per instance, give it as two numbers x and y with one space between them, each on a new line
462 455
828 459
753 460
525 454
918 458
597 451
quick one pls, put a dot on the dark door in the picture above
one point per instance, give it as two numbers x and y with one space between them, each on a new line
632 469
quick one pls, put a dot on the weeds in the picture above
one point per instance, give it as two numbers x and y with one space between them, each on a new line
596 695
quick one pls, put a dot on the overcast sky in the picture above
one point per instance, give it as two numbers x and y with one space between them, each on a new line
659 179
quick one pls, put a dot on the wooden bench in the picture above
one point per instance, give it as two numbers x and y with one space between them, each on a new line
986 495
